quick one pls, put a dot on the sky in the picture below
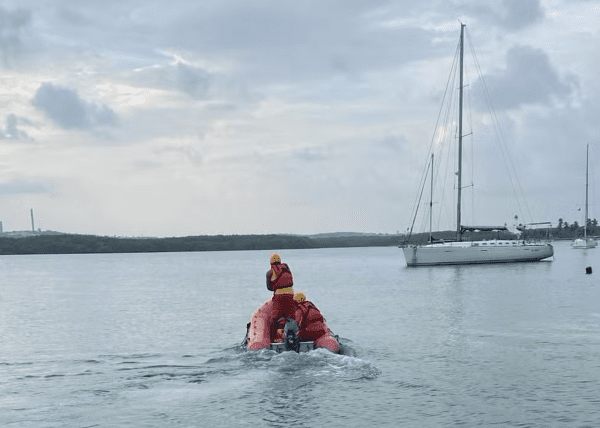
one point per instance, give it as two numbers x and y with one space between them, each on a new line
194 117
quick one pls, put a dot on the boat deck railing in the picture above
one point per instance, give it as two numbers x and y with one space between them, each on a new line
489 243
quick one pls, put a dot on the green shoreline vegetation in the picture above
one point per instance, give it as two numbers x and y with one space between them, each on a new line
61 243
45 243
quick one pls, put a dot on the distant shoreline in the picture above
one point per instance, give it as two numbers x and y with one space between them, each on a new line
49 242
59 243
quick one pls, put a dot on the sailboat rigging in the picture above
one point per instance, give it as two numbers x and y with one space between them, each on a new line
439 252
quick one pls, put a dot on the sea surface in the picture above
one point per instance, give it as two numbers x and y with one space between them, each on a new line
152 340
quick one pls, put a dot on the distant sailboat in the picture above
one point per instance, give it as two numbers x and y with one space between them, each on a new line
438 252
585 242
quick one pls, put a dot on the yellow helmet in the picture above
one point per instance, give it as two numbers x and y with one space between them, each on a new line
299 296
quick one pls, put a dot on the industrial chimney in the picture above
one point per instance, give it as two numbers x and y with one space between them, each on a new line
32 227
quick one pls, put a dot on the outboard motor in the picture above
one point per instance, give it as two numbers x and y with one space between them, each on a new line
292 340
245 341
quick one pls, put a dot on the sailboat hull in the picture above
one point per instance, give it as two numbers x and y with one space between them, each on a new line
458 253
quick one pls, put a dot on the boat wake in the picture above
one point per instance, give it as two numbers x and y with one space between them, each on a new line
320 363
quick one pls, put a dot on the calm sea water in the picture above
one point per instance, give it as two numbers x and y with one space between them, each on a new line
150 340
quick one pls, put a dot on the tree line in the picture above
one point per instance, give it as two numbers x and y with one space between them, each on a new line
85 244
564 230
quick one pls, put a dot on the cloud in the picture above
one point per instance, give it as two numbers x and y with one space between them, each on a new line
521 13
11 24
553 147
567 131
68 110
510 14
394 142
529 78
284 41
186 78
18 187
311 153
11 132
191 80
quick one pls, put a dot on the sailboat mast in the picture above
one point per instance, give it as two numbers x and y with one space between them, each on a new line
587 155
460 107
431 204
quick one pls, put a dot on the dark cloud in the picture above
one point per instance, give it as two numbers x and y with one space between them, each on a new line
11 132
73 17
275 40
566 130
522 13
394 142
189 79
529 78
509 14
193 81
68 110
311 154
18 187
11 25
553 148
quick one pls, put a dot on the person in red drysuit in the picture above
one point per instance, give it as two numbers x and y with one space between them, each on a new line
281 282
312 324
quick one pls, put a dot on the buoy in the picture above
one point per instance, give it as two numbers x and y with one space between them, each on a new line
588 269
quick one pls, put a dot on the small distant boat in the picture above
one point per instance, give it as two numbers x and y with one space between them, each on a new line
456 252
585 242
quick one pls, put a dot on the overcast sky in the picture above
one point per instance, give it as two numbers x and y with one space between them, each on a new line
193 117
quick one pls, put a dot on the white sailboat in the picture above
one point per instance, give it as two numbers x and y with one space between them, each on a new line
585 242
438 252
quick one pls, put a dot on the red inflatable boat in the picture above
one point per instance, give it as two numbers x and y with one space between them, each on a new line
302 330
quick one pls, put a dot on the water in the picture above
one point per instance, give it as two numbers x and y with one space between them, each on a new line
148 340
